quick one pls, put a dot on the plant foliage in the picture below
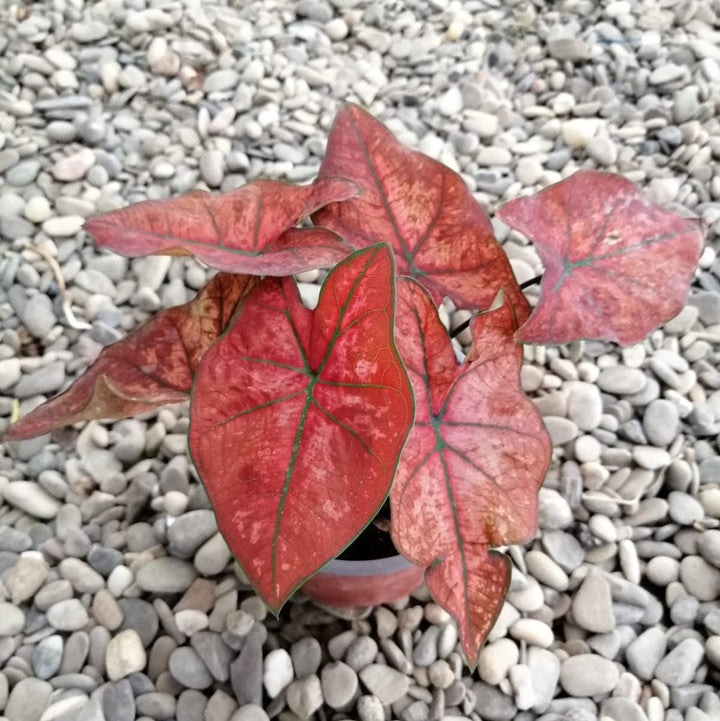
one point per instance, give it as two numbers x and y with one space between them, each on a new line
303 421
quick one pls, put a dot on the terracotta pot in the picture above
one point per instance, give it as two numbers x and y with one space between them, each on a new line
364 583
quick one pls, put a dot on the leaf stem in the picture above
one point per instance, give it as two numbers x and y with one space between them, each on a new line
466 324
530 282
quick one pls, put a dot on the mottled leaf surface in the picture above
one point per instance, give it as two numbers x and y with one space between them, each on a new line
616 265
469 474
298 418
249 230
440 234
151 367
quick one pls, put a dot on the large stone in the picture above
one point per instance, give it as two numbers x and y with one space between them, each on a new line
588 675
124 655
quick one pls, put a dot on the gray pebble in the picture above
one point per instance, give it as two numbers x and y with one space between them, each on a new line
47 656
621 380
588 675
386 683
361 652
12 619
23 173
661 422
27 700
190 531
188 669
118 701
679 666
306 655
684 509
165 575
645 653
38 315
339 684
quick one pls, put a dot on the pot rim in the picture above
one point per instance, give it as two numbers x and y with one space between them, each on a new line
371 567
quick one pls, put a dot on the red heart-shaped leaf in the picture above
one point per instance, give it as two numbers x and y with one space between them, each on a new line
440 234
469 474
616 265
250 230
298 418
151 367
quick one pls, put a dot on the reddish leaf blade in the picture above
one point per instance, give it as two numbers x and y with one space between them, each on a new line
469 474
151 367
616 266
298 418
237 232
440 234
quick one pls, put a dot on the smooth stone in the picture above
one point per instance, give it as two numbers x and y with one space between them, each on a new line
156 705
544 668
44 381
12 619
645 653
9 373
661 422
73 167
493 703
188 669
563 548
67 615
339 684
118 701
495 660
553 510
83 578
561 430
24 173
246 672
47 656
26 578
679 666
592 604
38 315
620 380
166 575
89 31
684 509
141 616
213 556
588 675
386 683
27 700
584 406
306 655
250 712
64 226
190 531
622 709
699 578
214 653
277 671
125 654
305 697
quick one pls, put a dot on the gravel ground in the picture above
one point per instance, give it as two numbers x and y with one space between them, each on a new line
117 596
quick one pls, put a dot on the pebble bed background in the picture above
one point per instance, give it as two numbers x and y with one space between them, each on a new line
118 598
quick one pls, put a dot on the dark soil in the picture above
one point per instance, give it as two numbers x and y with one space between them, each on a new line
374 542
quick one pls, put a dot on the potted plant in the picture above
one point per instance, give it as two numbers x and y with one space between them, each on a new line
303 422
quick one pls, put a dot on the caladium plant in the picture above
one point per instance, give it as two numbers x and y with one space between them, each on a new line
302 421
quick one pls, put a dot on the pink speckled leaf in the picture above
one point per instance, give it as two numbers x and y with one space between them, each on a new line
298 418
151 367
469 474
616 265
249 230
440 234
